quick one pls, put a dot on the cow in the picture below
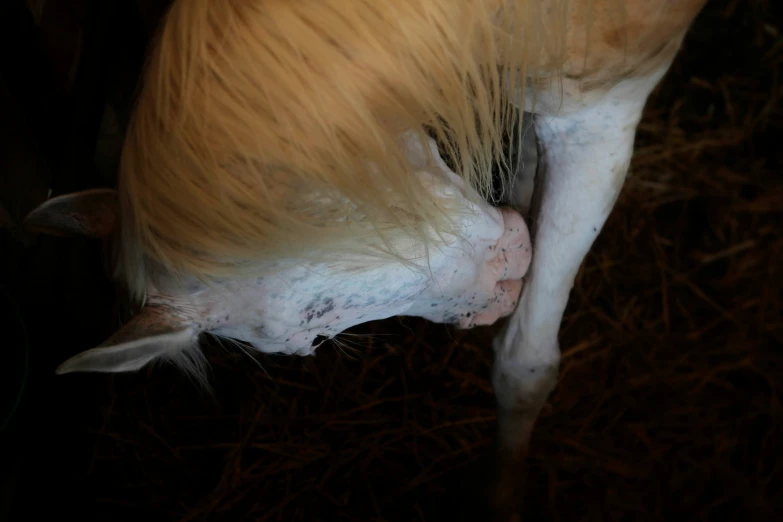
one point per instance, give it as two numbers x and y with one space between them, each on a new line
283 177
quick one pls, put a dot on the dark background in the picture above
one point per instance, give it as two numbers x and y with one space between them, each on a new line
669 402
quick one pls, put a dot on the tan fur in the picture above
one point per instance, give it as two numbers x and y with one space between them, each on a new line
628 43
259 120
609 41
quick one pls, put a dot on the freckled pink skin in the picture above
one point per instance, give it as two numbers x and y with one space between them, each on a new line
492 290
470 284
474 280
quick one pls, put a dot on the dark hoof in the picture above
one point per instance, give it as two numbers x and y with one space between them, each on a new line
489 493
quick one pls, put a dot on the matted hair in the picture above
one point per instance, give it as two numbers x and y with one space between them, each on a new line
270 129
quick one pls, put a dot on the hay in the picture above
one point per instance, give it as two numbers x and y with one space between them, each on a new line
669 403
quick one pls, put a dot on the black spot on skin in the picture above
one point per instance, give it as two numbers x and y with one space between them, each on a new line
227 317
467 314
349 302
532 370
451 319
595 229
433 305
328 307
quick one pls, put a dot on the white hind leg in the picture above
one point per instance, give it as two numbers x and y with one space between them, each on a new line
585 157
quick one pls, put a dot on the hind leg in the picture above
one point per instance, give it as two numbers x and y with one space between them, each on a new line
585 157
585 165
586 127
